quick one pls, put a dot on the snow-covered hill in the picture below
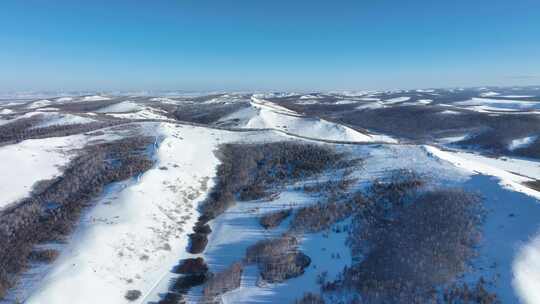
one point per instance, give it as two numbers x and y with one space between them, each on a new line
126 243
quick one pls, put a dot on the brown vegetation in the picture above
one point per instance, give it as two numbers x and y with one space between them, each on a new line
222 282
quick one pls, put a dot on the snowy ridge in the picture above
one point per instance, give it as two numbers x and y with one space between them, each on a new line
264 114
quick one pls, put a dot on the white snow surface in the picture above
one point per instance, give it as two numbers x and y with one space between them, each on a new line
521 142
95 98
52 118
489 94
371 105
526 269
512 172
263 114
397 100
486 104
165 100
121 107
30 161
6 111
39 103
131 110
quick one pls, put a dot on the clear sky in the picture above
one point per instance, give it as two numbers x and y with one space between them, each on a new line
267 45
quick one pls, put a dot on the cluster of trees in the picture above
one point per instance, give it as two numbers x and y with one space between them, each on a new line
250 171
191 266
53 210
194 272
218 284
310 298
278 259
322 216
408 241
273 219
470 294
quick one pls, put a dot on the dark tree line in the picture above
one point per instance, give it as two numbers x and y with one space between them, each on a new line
206 113
54 209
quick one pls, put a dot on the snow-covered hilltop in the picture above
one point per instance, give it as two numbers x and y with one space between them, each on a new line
395 196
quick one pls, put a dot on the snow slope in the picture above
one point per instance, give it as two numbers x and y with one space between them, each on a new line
266 115
125 106
239 228
30 161
52 118
505 169
138 229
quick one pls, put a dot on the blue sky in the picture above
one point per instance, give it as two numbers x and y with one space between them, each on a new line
267 45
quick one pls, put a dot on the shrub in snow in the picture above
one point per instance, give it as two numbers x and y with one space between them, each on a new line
183 284
191 266
132 295
197 242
